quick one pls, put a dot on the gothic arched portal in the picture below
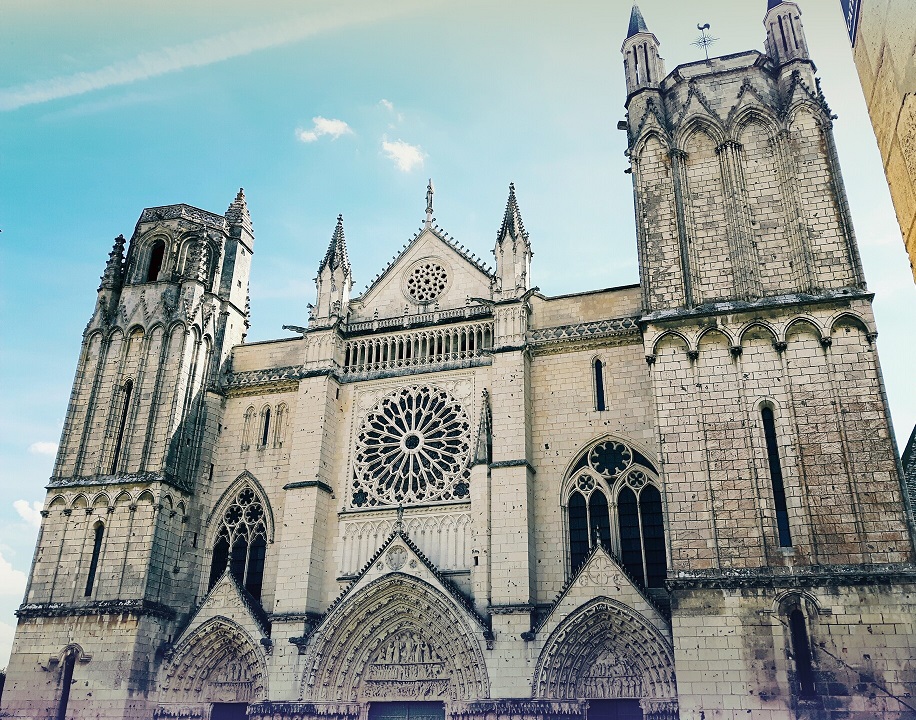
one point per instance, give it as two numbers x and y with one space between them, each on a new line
605 651
398 638
217 663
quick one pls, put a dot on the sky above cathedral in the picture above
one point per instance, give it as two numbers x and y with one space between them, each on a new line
320 107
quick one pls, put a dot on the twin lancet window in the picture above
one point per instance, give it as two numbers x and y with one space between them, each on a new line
614 501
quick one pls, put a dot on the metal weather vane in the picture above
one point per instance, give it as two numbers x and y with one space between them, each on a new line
704 41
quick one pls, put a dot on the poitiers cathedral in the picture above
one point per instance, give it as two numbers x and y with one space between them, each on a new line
453 496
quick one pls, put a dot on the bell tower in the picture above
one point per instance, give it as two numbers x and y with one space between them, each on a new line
120 525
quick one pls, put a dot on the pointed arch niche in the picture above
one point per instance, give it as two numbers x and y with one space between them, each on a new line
606 651
397 638
217 663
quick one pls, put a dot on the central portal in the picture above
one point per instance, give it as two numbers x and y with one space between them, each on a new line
614 710
407 711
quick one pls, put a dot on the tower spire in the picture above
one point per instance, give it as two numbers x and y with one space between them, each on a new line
513 253
637 22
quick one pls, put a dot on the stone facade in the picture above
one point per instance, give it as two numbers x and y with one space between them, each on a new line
452 494
885 44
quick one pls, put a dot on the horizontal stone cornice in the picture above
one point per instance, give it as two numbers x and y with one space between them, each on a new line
137 608
795 577
140 478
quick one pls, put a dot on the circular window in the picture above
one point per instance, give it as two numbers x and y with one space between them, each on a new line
610 458
413 446
426 282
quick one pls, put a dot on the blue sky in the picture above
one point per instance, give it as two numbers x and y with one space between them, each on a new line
319 108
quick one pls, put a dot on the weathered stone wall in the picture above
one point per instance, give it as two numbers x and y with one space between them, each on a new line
884 50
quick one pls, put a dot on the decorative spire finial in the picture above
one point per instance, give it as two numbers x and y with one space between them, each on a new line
113 277
512 219
237 214
430 191
336 256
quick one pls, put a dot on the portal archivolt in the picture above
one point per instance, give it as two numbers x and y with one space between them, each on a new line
397 638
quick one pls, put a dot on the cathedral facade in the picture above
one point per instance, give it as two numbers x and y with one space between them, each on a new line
451 495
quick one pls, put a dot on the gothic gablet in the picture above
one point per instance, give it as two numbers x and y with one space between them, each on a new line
451 495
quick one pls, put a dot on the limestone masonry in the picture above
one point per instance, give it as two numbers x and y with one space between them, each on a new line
453 496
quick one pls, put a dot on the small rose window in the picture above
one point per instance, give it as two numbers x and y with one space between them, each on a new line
426 282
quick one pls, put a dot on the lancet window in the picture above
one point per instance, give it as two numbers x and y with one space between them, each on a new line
613 500
156 256
241 543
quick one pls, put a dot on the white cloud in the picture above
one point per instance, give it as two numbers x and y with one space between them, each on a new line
43 448
387 104
407 157
31 513
324 126
12 581
6 643
200 52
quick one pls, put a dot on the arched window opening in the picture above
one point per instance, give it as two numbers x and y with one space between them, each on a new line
127 390
578 530
633 526
801 650
600 404
266 428
782 32
66 680
630 546
156 256
779 490
589 519
645 52
636 71
94 562
241 543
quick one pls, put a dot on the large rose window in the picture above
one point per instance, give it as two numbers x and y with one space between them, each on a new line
412 447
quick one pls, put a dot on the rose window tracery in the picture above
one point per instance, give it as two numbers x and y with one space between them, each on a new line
426 282
412 447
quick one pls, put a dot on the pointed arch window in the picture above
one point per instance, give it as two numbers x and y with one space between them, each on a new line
265 426
631 524
98 534
598 369
156 256
801 651
241 543
776 479
127 391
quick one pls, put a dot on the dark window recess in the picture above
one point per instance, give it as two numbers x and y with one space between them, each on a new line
220 559
779 490
156 255
578 530
600 520
94 562
653 535
801 649
614 710
599 386
630 546
66 680
119 441
266 429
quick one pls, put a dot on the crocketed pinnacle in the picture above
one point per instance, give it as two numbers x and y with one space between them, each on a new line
113 277
637 22
336 256
512 220
237 214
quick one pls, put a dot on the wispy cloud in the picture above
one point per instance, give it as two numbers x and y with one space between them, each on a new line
324 126
43 448
406 157
389 106
200 53
30 512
